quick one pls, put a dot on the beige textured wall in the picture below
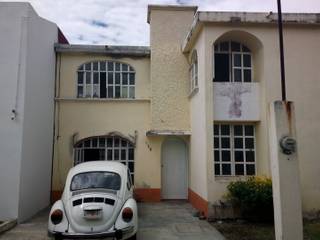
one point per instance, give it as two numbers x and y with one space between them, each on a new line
99 117
169 70
302 53
198 140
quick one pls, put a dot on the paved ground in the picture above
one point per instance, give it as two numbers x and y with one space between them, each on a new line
157 221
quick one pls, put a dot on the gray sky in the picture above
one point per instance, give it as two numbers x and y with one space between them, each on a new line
123 22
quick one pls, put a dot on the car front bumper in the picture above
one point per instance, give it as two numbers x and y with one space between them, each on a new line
118 234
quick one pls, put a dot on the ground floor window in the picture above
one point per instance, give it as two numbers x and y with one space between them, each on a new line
234 150
105 148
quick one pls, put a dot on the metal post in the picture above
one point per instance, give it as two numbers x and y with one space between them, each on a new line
283 79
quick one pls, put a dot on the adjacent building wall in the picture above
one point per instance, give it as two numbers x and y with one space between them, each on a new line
27 63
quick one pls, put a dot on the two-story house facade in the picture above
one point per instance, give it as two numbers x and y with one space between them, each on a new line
189 114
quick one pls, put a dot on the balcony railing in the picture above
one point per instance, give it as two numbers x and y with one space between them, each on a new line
236 101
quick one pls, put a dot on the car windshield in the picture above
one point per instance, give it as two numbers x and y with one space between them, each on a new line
107 180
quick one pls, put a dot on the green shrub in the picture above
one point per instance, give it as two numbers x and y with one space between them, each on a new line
254 197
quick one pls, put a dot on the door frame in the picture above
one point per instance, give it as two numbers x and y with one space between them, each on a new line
186 160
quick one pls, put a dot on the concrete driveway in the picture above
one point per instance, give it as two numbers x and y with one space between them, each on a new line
164 220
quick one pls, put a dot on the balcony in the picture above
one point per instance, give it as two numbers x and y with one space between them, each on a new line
236 101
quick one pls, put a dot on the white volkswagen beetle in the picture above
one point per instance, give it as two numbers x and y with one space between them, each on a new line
97 202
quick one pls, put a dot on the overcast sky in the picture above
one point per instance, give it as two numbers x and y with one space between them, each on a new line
124 22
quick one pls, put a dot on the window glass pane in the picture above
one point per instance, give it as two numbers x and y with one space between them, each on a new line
225 142
216 47
221 67
124 92
131 153
237 130
110 92
217 169
94 142
247 75
95 66
110 66
95 77
237 75
109 142
109 155
238 156
216 156
226 169
239 169
124 67
87 143
131 92
80 91
238 143
249 143
116 142
81 68
248 130
102 66
88 66
131 69
237 60
216 129
123 154
131 76
117 66
88 90
235 46
96 91
117 78
131 167
123 143
116 154
224 46
226 156
225 129
110 78
216 142
80 77
246 60
245 49
250 169
117 93
249 156
88 77
125 78
103 85
102 142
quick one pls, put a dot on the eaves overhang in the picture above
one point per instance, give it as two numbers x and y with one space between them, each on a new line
244 18
112 50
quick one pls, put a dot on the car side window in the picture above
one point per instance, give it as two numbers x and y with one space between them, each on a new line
129 182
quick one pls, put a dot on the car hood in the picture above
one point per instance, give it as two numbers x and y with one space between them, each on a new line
92 212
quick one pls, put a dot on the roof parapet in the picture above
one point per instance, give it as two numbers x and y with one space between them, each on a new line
170 8
133 51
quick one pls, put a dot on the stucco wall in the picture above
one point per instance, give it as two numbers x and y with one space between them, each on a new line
301 58
169 70
27 63
97 117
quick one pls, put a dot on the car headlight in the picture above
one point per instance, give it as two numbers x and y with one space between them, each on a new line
127 214
56 216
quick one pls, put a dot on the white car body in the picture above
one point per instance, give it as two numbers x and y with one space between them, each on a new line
95 212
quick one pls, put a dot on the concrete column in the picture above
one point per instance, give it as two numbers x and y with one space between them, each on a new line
285 172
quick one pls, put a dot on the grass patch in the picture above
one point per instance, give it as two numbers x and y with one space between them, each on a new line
257 231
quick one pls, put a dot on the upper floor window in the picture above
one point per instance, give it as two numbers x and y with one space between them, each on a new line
106 79
232 62
194 71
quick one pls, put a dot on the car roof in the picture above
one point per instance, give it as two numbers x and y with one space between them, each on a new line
93 166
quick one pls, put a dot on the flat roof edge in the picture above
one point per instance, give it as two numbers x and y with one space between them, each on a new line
135 51
170 7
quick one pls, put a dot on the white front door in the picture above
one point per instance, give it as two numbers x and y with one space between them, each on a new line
174 169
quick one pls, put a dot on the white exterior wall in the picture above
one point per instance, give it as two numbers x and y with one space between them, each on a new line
27 63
